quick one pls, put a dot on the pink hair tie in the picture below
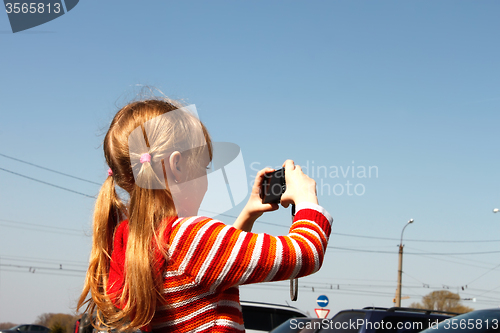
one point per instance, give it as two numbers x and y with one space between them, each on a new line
110 172
145 158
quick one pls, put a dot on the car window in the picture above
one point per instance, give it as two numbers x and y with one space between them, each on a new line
38 328
23 328
257 318
345 322
280 316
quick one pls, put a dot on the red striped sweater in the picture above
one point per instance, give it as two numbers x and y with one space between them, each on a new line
208 260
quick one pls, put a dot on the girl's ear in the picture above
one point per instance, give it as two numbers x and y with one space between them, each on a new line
175 165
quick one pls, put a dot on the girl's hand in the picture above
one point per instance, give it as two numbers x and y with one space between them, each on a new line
299 187
254 207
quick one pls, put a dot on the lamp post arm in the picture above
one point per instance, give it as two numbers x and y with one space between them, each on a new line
409 222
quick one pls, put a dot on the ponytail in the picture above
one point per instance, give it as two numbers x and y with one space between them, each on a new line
138 301
108 211
143 280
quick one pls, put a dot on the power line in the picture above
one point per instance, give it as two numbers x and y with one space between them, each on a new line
258 221
459 258
51 170
34 268
317 285
41 228
480 276
81 234
348 291
376 237
46 183
42 273
39 225
419 240
46 261
414 278
413 253
453 262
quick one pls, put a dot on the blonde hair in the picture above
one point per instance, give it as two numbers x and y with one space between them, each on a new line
146 210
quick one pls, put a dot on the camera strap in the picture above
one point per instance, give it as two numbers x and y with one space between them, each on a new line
294 283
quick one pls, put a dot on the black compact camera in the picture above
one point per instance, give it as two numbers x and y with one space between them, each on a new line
273 186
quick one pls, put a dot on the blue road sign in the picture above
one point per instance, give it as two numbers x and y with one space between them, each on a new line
322 301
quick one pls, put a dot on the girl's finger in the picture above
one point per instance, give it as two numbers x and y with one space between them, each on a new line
262 172
260 175
285 203
273 206
289 164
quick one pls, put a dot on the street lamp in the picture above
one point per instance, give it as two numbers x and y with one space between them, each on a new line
400 266
496 210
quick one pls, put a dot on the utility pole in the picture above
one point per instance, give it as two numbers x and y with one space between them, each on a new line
400 267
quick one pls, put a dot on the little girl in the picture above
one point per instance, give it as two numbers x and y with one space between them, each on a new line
157 266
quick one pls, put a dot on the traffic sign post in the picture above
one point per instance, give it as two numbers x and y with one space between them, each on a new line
322 301
322 313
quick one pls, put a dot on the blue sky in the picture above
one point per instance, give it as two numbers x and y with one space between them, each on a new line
410 88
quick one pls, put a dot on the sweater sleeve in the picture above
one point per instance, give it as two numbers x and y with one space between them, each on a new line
221 256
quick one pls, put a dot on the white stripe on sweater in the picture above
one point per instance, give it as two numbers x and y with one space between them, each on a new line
317 225
277 260
298 258
188 317
254 260
218 322
181 232
201 328
318 208
229 323
179 288
230 261
211 255
186 301
312 233
313 250
233 304
191 250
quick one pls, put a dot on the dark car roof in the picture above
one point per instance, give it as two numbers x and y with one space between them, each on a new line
401 310
375 320
40 328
